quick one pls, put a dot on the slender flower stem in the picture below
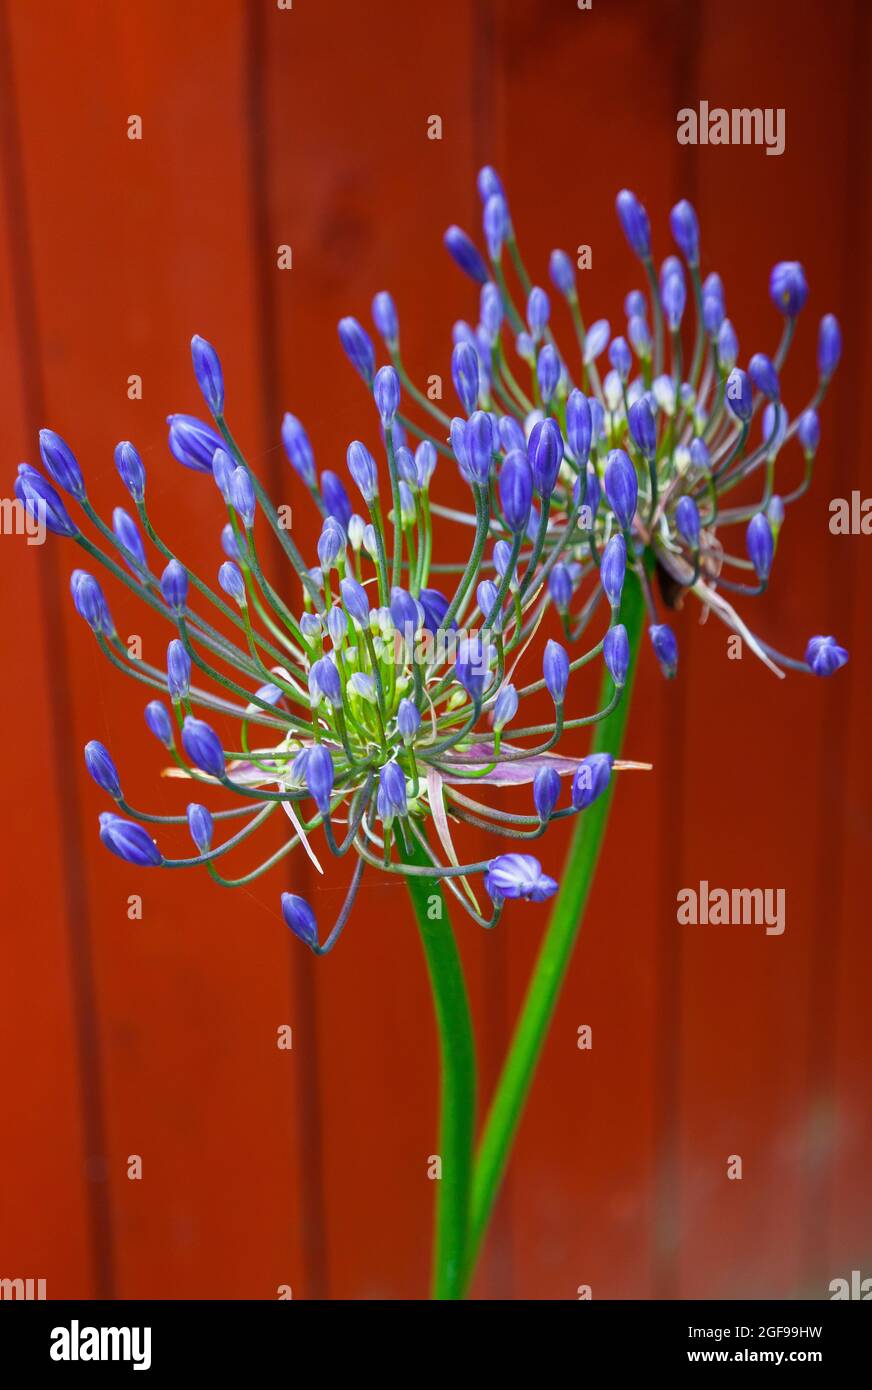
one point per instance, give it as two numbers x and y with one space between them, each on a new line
457 1063
554 956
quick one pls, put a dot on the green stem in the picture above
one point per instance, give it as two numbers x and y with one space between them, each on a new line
457 1059
554 956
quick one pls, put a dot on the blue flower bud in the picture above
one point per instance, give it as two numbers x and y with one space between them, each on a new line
207 370
829 345
310 626
728 346
192 442
127 533
560 586
324 683
699 455
809 432
824 655
687 521
465 254
760 544
665 647
616 653
61 464
593 490
355 600
131 470
203 746
407 469
774 426
331 543
592 776
408 720
788 288
674 297
337 625
635 224
405 613
597 336
526 348
479 443
495 221
320 776
546 791
464 373
178 670
515 485
712 314
201 826
242 496
223 469
298 449
613 569
358 348
488 182
578 426
538 312
491 313
635 305
229 543
231 581
472 666
98 761
335 498
43 503
425 462
129 841
622 488
158 721
174 586
384 316
391 796
300 918
555 669
435 606
511 435
90 603
643 428
518 876
685 231
486 597
562 273
620 357
502 558
505 707
738 394
545 455
386 392
548 372
763 374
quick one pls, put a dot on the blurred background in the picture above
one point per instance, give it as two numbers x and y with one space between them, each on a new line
307 127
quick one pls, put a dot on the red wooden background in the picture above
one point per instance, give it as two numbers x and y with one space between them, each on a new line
158 1038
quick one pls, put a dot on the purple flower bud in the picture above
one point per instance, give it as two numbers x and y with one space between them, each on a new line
728 345
310 626
788 288
90 603
496 224
391 796
425 462
201 826
555 669
538 311
464 373
98 761
597 336
384 316
229 543
192 442
620 357
337 625
526 348
674 297
355 600
560 586
435 606
407 470
518 876
300 918
665 647
505 707
712 314
635 224
829 345
358 348
203 746
158 721
764 375
593 490
324 683
43 503
548 372
242 496
479 443
578 426
457 435
223 469
616 653
809 432
774 425
562 273
824 655
699 455
685 231
613 569
320 776
491 312
738 393
174 586
760 545
207 370
472 666
130 469
486 597
488 182
127 533
61 464
545 455
622 489
408 720
687 521
592 776
386 392
643 428
546 791
465 254
298 449
511 434
231 581
129 841
362 467
405 614
331 544
178 670
335 498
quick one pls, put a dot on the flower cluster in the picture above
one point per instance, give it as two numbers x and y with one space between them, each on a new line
629 464
378 703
